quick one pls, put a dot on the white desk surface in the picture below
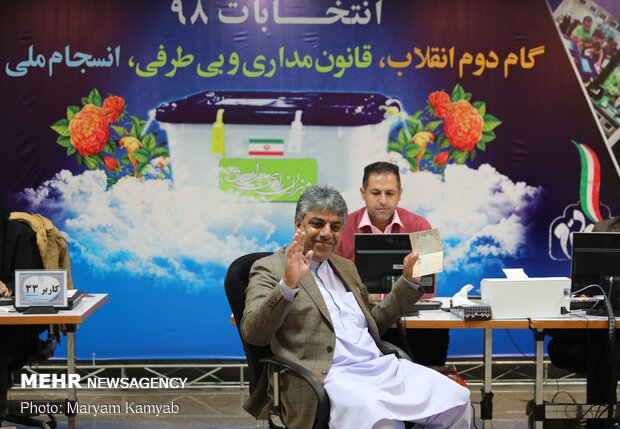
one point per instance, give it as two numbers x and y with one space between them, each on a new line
573 320
78 314
440 319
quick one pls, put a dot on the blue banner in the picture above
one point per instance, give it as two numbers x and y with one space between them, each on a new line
167 138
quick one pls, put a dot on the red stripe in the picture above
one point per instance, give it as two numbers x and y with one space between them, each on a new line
596 183
256 152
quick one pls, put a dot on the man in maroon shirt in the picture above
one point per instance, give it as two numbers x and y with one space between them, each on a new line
381 191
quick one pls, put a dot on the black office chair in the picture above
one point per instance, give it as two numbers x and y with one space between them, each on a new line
9 363
235 284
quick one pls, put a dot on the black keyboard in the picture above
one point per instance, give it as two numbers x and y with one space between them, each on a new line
7 301
583 303
427 304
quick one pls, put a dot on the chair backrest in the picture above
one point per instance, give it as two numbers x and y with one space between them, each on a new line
235 284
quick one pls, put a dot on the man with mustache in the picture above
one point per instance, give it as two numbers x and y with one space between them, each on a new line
381 191
310 306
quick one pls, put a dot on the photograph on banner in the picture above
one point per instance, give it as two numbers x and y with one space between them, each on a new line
591 35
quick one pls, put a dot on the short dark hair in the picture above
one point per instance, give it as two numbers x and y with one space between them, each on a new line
380 168
587 18
321 198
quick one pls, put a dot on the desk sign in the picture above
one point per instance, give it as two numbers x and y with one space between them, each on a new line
40 288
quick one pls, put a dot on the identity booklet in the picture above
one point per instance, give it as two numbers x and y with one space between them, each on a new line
428 245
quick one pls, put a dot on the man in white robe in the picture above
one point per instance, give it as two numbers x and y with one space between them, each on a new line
311 307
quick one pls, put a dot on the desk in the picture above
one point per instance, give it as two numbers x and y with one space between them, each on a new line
439 319
430 319
577 320
71 318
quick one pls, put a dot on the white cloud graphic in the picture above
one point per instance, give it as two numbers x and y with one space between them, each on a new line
479 212
149 229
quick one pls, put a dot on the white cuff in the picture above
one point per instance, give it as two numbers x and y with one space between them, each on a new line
289 294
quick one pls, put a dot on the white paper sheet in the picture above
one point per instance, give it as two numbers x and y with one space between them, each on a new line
515 273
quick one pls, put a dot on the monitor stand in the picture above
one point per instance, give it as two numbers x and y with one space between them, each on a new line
41 310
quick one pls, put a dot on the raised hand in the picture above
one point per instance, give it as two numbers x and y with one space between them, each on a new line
5 292
408 264
297 264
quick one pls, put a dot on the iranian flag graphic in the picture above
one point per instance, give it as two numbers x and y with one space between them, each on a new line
590 182
266 147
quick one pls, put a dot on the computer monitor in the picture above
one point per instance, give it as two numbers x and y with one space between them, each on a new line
596 260
379 262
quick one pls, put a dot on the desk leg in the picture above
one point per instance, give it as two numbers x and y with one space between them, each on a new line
71 368
538 389
486 401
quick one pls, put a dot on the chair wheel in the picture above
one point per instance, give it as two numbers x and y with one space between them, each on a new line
51 423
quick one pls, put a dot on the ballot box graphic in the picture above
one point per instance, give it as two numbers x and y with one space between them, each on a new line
274 145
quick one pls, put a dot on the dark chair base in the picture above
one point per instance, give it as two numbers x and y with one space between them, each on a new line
29 421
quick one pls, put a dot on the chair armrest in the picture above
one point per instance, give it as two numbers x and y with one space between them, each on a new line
322 409
400 353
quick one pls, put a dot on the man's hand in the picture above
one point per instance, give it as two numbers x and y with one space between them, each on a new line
408 264
5 292
297 264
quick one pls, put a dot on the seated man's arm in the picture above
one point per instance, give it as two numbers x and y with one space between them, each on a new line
397 303
405 293
266 307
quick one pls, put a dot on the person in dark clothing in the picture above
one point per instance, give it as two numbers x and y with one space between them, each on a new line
18 250
18 344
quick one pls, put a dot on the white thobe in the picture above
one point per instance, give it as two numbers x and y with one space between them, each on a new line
370 390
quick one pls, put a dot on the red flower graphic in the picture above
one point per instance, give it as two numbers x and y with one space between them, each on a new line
442 157
110 163
458 127
463 126
88 130
113 107
102 135
439 101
